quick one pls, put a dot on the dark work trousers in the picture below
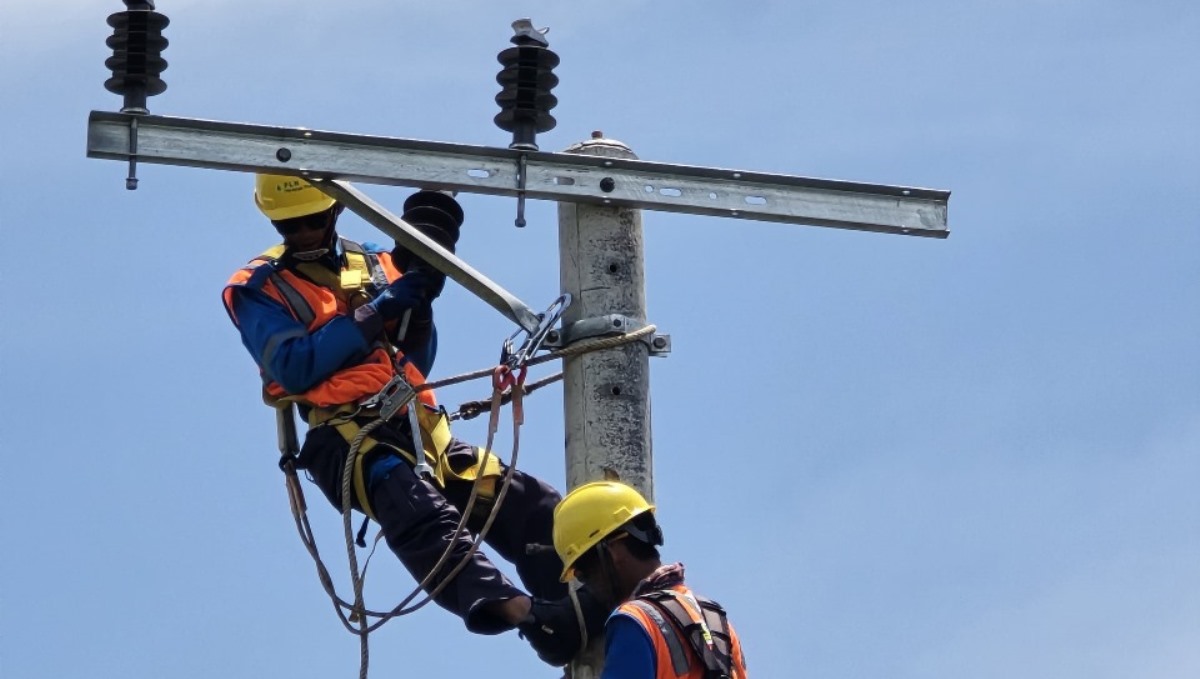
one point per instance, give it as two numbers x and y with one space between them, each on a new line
418 519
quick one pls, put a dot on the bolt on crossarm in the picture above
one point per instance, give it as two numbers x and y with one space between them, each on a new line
606 394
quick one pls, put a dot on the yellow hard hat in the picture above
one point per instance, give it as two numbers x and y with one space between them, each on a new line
281 197
591 513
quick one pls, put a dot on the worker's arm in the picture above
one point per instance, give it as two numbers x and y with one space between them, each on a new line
628 651
290 355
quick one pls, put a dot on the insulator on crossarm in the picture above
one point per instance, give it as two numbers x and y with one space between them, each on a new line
137 64
526 80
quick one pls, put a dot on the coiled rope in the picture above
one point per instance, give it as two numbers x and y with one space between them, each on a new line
352 613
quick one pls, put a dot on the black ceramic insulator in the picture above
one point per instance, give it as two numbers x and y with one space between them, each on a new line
137 44
525 100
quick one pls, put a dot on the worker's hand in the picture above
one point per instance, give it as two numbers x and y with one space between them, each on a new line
410 291
553 628
435 281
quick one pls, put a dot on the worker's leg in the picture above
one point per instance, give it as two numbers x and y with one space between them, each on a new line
417 522
521 531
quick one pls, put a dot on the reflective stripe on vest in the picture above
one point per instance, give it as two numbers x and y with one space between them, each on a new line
679 659
704 637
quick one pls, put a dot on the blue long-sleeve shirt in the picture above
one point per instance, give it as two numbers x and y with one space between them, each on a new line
628 651
299 360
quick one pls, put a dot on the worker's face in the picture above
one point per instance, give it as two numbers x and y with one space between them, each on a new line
305 234
601 572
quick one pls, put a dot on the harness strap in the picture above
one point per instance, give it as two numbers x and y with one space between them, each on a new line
358 258
703 624
269 270
293 299
435 437
679 659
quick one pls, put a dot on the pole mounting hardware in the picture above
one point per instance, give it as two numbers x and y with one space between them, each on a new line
607 326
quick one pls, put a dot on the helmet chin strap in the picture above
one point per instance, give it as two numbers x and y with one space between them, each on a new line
318 253
608 570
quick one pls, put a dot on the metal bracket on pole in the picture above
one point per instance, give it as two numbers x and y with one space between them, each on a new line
607 326
562 177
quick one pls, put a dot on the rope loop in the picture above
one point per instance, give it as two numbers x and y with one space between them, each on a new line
507 386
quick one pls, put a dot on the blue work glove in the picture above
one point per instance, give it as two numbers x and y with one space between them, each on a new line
410 291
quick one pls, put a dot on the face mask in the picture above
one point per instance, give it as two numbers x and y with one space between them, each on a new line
311 255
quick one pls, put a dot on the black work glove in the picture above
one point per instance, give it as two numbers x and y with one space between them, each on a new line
553 627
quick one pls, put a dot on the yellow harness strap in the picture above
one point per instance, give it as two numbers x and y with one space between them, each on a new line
435 439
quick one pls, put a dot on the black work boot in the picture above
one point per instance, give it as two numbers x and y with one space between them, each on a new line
553 626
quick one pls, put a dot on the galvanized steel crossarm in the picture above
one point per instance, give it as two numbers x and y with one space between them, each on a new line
562 177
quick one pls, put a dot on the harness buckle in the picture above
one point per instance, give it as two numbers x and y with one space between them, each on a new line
394 395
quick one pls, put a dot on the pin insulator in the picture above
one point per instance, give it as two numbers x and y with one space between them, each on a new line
136 64
526 80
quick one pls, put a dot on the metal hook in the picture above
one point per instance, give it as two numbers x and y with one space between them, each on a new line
514 359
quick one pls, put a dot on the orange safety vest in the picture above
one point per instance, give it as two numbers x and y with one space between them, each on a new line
691 636
316 303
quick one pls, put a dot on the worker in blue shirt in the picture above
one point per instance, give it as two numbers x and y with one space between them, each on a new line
607 537
330 323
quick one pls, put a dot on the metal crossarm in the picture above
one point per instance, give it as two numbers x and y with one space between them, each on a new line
562 177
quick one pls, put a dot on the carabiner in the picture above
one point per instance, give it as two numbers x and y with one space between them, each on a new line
533 342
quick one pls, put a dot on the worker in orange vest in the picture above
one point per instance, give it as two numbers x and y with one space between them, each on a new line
607 537
331 325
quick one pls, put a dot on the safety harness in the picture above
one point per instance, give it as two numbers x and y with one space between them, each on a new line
690 621
363 277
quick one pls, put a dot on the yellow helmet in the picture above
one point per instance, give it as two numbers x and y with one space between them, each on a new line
591 513
281 197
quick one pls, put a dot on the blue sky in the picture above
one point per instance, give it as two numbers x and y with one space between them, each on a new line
887 456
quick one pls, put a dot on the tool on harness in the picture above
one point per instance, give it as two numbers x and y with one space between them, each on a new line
421 466
394 395
699 623
289 450
285 427
514 358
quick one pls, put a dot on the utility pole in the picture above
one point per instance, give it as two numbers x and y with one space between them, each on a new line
606 394
601 189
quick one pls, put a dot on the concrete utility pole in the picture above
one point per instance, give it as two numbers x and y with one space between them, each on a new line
606 394
599 184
